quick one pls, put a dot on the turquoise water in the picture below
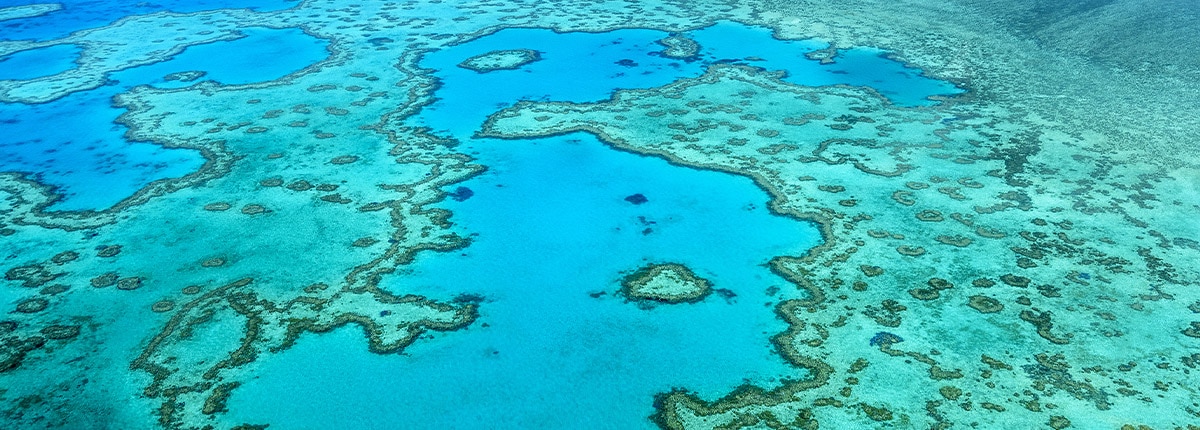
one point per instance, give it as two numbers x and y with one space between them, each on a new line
574 67
860 66
264 54
86 157
988 262
92 170
550 230
588 66
550 227
39 62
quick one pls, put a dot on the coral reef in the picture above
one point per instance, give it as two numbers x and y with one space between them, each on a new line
1022 253
666 283
510 59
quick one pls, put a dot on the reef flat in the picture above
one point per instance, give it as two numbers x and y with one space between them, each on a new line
28 11
1010 246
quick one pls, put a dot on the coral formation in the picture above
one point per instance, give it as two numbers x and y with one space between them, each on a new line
1052 200
666 283
509 59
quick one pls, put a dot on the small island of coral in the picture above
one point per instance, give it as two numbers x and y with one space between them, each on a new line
679 47
667 283
500 60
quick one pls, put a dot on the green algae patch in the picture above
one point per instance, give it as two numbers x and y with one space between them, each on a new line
508 59
666 283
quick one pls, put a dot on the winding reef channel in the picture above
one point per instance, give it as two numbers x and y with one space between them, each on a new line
564 214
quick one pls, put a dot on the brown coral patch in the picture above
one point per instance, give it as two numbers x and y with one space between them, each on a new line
300 185
930 215
984 304
106 280
130 283
34 305
344 159
1015 280
108 251
60 332
31 275
51 290
364 242
924 293
64 257
217 207
911 251
1193 331
989 233
983 283
871 271
335 198
254 209
939 284
1043 323
904 197
959 241
163 306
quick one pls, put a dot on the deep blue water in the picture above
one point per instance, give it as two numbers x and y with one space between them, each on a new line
84 14
72 143
36 63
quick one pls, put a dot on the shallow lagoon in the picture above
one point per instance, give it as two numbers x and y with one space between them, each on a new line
39 62
94 172
550 228
86 156
859 66
551 237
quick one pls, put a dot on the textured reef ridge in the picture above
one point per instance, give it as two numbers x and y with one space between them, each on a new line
925 198
28 11
667 283
1020 254
500 60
